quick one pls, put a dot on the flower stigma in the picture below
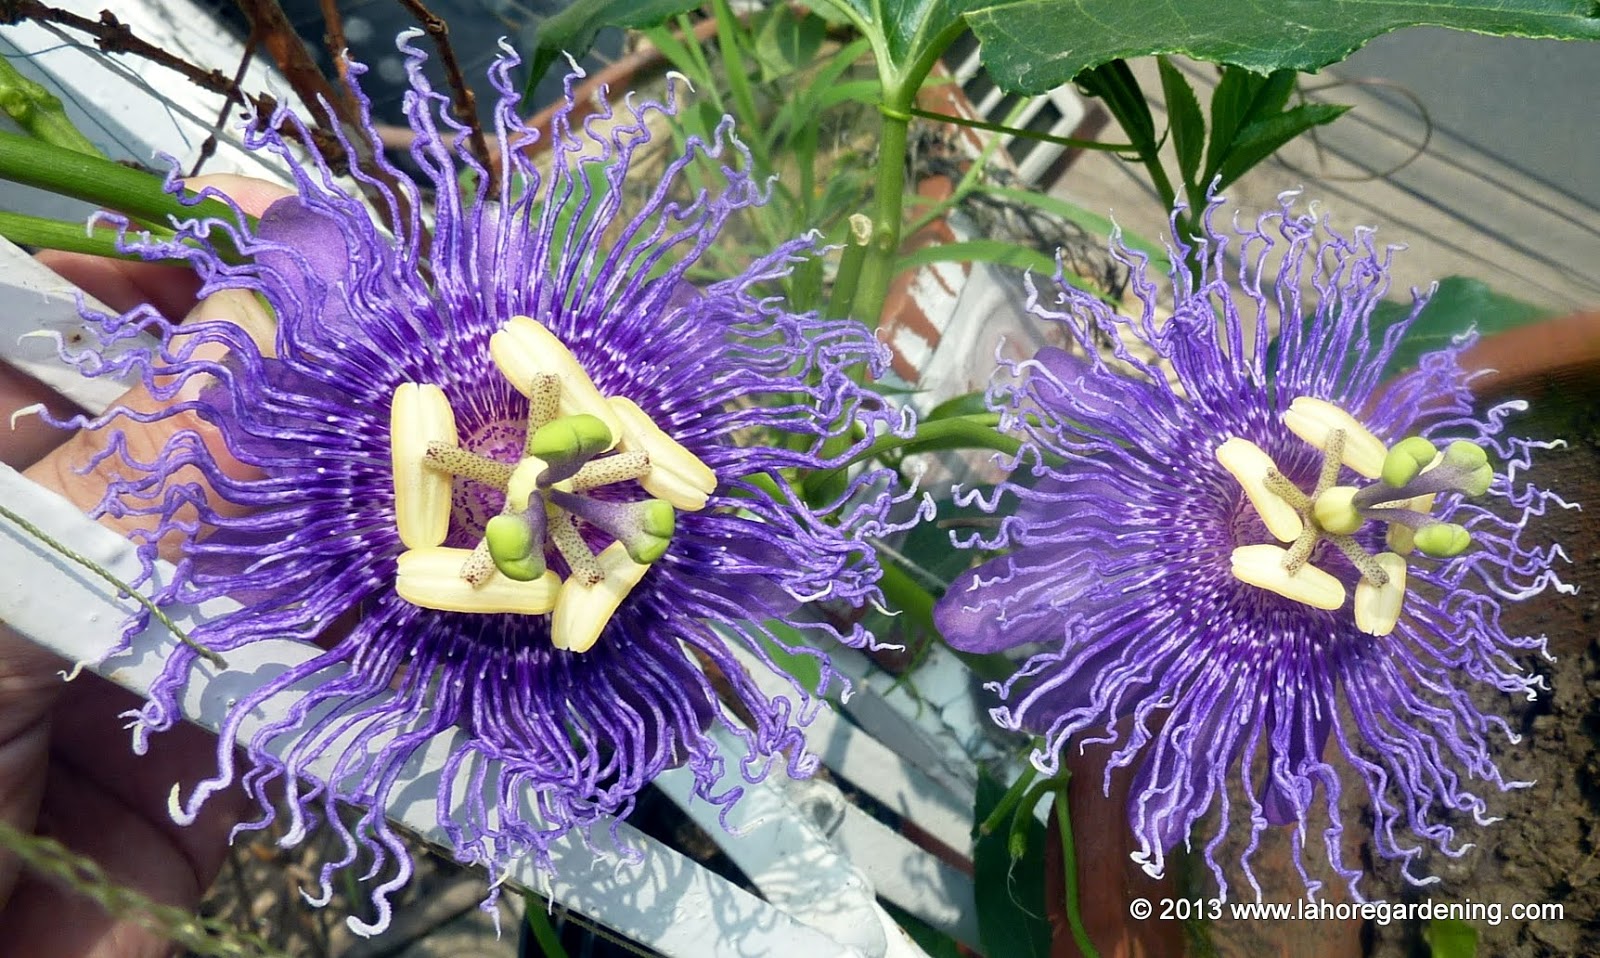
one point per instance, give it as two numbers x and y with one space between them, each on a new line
1408 477
578 440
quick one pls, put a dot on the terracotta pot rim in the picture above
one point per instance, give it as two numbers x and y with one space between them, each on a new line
1526 360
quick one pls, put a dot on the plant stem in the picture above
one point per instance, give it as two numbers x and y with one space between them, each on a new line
102 182
1008 801
155 611
888 204
900 85
976 431
1069 865
45 233
39 111
848 279
1022 133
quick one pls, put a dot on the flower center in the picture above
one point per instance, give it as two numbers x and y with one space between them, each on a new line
577 441
1409 476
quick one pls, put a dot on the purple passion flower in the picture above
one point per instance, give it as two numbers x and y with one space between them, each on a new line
1234 548
540 476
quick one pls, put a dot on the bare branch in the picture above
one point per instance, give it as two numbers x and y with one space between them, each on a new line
463 102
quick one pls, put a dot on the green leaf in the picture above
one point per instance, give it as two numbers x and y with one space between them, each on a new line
1183 113
1450 938
1241 99
907 33
786 40
1010 894
802 662
1459 304
1031 46
1115 84
1262 138
966 404
573 29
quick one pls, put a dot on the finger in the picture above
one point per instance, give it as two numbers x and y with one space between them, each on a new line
65 469
82 470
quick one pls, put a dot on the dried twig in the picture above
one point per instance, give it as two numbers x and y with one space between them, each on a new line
334 37
209 147
114 36
293 58
462 100
288 51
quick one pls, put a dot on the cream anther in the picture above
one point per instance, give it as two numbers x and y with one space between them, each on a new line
1263 566
1377 607
431 578
525 350
582 610
1247 463
420 415
1313 419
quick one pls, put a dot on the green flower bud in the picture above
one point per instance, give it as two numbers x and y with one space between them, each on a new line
1406 459
580 438
512 545
1442 540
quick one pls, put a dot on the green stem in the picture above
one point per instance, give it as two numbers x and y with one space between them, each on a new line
544 933
1017 840
104 183
889 192
888 205
121 586
1008 801
848 279
1069 863
976 431
45 233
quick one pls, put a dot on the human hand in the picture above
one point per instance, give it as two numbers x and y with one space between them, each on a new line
66 766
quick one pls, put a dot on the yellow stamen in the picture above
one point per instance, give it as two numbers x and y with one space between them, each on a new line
1313 419
419 415
1378 607
524 349
431 578
1249 464
676 474
582 611
1263 566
